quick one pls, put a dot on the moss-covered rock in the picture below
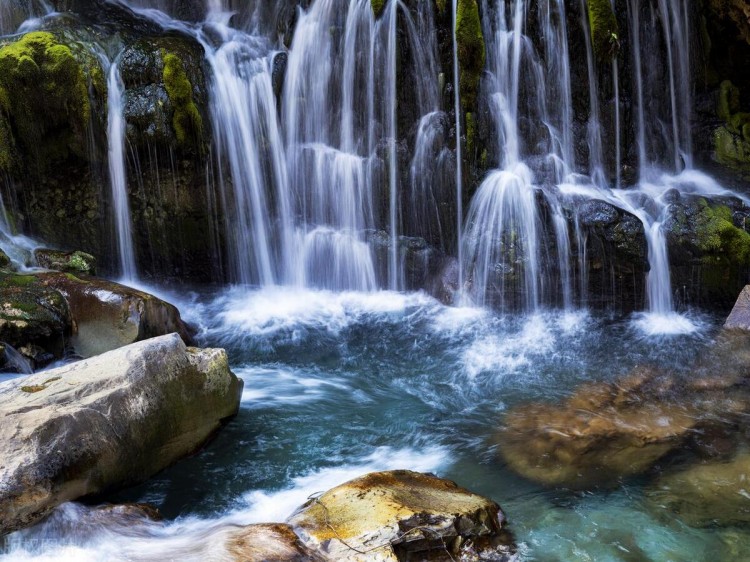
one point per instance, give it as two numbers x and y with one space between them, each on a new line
471 52
732 150
70 262
729 100
186 119
377 7
605 33
717 234
44 94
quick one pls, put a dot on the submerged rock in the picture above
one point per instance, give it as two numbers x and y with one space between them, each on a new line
107 422
707 494
272 542
107 315
603 432
403 515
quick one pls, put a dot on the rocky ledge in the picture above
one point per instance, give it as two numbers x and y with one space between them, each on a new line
107 422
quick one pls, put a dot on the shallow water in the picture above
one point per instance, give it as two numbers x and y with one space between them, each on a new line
337 385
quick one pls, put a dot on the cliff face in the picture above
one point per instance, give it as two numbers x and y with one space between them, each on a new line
53 130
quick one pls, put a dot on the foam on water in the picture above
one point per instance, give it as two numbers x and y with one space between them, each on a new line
666 324
265 386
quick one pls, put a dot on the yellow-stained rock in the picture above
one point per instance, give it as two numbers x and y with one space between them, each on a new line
403 515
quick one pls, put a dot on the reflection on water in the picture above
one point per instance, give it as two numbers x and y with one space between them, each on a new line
337 385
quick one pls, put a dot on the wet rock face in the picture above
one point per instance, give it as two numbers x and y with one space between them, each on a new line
108 315
274 542
739 318
68 262
403 515
161 401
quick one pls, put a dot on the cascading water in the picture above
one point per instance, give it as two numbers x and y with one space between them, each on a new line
118 174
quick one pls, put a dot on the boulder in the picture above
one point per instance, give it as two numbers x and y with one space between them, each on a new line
70 262
708 494
107 422
272 542
32 316
403 515
107 315
739 318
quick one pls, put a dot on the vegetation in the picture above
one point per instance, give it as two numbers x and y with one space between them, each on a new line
717 234
605 33
377 7
187 121
44 101
471 53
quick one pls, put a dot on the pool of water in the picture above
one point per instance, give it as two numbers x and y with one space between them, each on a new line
337 385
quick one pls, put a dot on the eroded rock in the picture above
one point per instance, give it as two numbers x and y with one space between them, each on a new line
403 515
272 542
107 315
69 262
107 422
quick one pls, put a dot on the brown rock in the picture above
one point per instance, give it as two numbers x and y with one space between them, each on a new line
272 542
403 515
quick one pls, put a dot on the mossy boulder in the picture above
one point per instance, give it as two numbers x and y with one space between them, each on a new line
165 93
605 33
471 51
44 101
33 316
718 235
69 262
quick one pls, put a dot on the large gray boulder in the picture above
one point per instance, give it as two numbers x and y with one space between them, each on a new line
107 422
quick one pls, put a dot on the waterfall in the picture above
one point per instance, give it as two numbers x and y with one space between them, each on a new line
459 156
391 132
118 174
594 133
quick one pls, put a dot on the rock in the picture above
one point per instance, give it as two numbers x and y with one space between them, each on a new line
31 314
107 315
739 318
107 422
403 515
597 213
273 542
707 494
5 261
602 433
70 262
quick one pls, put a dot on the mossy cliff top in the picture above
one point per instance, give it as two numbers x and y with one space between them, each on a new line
44 101
605 33
471 52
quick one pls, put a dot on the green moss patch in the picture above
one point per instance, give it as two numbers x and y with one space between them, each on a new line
717 234
44 97
471 53
187 121
377 7
605 33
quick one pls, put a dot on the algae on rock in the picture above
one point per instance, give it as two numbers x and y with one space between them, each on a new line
44 92
604 29
187 121
471 52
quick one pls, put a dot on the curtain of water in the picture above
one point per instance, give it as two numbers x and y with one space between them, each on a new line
118 173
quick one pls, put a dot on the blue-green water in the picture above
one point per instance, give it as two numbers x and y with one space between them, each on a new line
337 385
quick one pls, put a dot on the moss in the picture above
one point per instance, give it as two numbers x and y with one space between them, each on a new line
471 132
717 234
605 33
738 121
729 100
731 150
187 121
471 53
377 7
441 5
44 94
12 280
